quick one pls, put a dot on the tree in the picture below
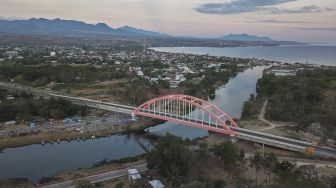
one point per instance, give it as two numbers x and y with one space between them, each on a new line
170 156
269 164
57 113
226 152
284 166
256 162
241 155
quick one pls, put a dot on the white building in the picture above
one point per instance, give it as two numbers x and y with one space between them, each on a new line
140 73
156 184
284 72
52 54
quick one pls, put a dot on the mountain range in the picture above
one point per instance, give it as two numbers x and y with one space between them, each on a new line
78 28
69 28
246 37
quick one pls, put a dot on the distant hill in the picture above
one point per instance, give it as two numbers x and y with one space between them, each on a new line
245 37
132 30
69 28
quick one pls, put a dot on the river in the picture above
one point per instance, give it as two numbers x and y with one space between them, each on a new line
37 161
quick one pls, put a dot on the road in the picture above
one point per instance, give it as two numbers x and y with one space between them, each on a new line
262 118
98 177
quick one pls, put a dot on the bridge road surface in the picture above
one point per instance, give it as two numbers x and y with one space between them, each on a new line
98 177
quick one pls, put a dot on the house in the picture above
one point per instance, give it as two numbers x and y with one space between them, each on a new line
11 54
174 83
140 73
180 77
10 123
156 184
50 86
154 80
136 69
133 175
10 97
283 72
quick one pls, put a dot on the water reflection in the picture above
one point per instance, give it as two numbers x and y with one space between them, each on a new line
36 161
229 98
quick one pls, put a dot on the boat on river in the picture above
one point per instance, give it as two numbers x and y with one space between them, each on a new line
100 162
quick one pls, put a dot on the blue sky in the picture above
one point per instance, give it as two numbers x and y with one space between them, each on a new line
300 20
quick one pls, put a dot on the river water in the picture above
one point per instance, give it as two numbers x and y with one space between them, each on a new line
37 161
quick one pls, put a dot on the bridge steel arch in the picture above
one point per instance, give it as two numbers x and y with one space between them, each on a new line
176 108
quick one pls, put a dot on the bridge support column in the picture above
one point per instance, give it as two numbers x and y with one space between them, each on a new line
233 139
133 117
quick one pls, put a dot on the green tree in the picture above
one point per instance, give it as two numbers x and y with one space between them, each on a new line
170 156
269 164
256 162
241 155
57 113
226 152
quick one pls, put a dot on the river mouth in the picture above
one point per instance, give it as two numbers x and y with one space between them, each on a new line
36 161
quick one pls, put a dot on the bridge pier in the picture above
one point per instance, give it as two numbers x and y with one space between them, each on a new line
233 139
133 117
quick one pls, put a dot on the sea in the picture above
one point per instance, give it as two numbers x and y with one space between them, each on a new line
313 53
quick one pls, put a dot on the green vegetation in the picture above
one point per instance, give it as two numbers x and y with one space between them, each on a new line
183 165
44 74
226 152
82 183
26 107
308 97
171 157
206 86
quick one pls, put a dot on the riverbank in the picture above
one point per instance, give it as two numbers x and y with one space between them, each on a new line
52 137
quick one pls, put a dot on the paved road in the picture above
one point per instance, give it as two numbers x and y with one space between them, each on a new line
98 177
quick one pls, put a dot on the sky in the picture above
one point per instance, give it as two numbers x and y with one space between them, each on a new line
298 20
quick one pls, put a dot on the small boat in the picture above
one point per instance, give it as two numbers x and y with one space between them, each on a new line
58 140
42 142
99 162
93 137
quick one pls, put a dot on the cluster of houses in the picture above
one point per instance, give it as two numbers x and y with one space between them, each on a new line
174 77
36 123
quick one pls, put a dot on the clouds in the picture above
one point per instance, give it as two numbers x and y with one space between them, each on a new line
331 29
272 21
305 9
262 6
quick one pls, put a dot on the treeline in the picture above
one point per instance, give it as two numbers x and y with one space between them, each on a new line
308 97
223 164
206 86
42 75
26 107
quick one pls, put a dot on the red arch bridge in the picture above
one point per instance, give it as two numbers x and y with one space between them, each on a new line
187 110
